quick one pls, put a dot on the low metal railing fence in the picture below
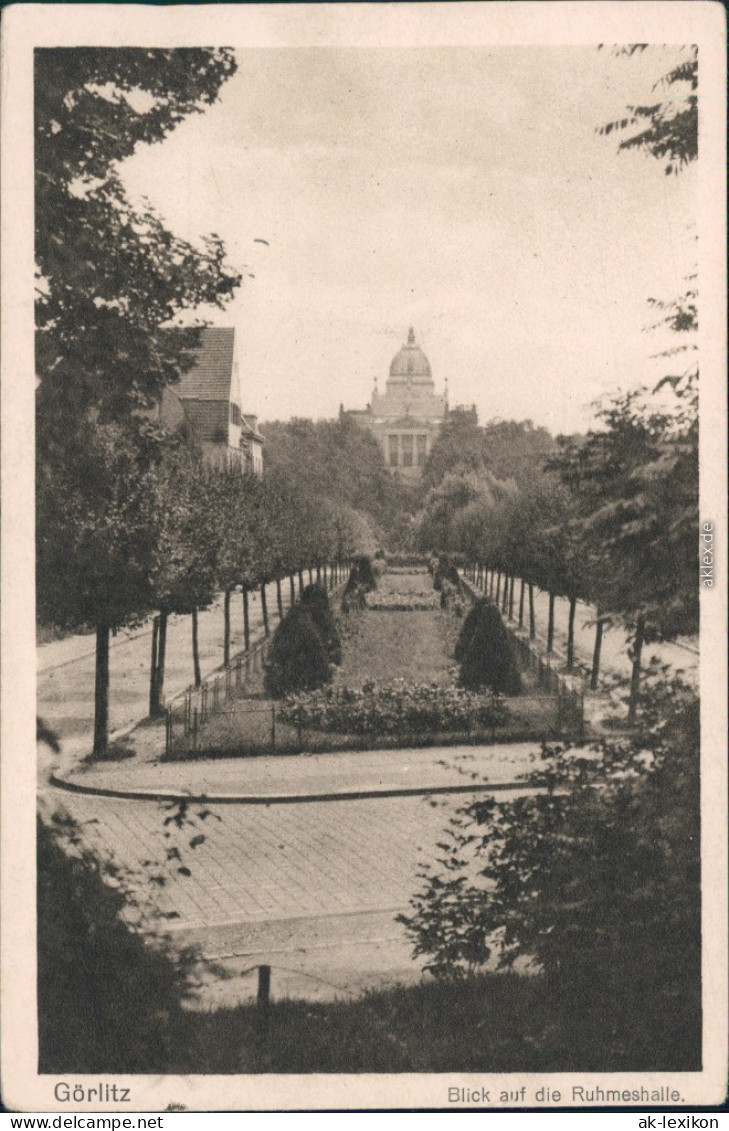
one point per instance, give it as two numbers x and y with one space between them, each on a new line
243 727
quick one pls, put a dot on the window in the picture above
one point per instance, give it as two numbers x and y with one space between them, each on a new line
392 449
407 451
235 414
422 442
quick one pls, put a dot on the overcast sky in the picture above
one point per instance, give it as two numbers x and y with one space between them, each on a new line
464 191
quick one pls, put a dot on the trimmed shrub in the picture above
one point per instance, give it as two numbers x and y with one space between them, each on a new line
445 570
361 574
485 652
469 625
298 660
316 602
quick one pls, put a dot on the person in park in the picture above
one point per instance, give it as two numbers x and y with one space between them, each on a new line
484 652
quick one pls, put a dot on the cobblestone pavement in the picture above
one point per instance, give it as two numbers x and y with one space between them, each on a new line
311 888
258 862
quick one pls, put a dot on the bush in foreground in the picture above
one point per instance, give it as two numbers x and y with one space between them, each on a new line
107 1001
595 879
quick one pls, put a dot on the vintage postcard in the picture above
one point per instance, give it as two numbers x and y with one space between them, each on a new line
364 557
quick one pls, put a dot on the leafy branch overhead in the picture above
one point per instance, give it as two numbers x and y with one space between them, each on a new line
108 272
667 129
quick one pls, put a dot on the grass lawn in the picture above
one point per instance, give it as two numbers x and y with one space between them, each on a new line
490 1023
381 646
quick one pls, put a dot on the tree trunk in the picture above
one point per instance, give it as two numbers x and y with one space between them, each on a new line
101 690
301 581
532 622
196 650
153 668
311 576
491 582
246 620
505 595
279 599
264 610
318 574
596 652
292 589
550 624
498 587
521 603
161 657
511 599
571 635
636 652
226 628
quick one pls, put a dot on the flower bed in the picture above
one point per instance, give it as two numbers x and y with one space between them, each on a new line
394 708
414 571
403 602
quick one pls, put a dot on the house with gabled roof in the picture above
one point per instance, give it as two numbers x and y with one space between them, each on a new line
209 391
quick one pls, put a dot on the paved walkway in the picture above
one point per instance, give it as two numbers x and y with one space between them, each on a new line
682 654
312 889
66 667
275 779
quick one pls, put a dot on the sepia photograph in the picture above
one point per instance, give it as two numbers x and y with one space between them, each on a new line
364 557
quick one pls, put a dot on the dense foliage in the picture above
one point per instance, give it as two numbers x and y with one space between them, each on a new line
595 878
404 602
339 461
98 314
500 451
107 1000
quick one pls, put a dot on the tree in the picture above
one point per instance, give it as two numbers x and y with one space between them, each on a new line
458 448
669 129
634 484
183 567
109 276
336 461
96 529
98 314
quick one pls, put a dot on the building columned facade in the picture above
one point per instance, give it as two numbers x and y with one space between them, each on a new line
405 419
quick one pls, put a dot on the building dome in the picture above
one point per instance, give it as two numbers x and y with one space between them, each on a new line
410 361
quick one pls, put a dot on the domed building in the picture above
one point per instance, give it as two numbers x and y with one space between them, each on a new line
407 417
